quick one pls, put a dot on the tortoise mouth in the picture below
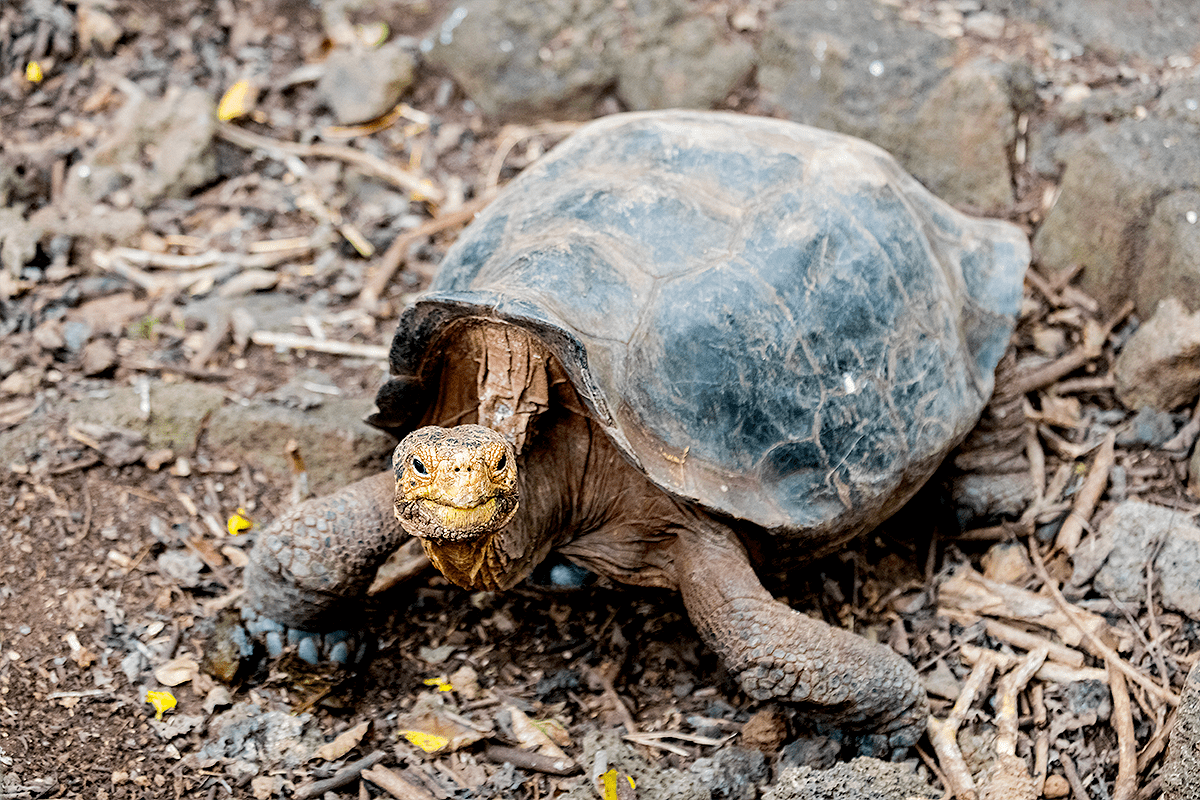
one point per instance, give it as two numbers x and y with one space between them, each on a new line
431 520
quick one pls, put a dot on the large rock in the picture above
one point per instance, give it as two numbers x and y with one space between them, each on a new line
854 66
361 84
1113 28
859 779
1115 557
1171 267
964 129
555 58
1115 182
337 446
159 147
1159 367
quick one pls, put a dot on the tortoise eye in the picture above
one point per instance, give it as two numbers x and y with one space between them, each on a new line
418 467
502 462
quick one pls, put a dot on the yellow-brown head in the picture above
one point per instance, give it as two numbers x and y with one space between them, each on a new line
455 484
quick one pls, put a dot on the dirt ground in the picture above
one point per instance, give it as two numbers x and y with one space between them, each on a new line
116 563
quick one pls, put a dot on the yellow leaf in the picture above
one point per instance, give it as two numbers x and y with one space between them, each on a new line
429 742
442 684
237 101
609 782
162 702
238 523
33 72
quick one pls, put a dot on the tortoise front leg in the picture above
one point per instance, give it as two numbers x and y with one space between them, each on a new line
311 568
778 653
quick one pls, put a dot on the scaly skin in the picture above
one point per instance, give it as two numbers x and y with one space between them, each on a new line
780 654
325 551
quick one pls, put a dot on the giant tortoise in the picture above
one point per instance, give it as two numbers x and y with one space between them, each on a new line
681 348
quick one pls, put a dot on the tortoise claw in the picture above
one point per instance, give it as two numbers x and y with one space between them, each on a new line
343 647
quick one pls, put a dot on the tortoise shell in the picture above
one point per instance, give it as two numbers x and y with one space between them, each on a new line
773 321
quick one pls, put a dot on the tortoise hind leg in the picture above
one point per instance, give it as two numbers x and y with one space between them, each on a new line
779 653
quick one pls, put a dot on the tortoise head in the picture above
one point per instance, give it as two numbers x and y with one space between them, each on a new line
456 488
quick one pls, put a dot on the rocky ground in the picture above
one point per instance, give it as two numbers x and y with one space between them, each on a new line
195 313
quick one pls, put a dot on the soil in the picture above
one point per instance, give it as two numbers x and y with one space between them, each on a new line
112 570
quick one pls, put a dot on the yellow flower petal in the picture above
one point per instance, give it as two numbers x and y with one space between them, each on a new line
237 101
608 784
609 781
33 72
162 702
429 742
442 684
238 523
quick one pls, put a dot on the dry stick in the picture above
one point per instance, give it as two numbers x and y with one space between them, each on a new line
1157 743
1050 672
1122 717
512 135
1011 686
1063 277
1095 383
1077 787
1009 777
376 352
610 692
395 784
930 762
1087 497
397 251
1032 641
365 161
943 734
1094 645
1048 374
1044 287
343 777
525 759
1041 742
1037 462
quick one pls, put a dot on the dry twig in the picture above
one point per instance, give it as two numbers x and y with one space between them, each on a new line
944 735
1092 642
368 163
393 257
527 759
375 352
1122 718
1087 496
1008 778
1041 742
395 784
1050 672
343 777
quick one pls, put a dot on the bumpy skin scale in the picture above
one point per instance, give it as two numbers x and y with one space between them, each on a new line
778 653
698 331
307 563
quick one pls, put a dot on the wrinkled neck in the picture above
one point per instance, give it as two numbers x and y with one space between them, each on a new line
494 562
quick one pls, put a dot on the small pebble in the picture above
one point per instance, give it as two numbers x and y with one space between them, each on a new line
1056 786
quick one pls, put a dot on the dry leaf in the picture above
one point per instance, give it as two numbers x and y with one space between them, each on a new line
177 671
344 743
434 728
237 101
